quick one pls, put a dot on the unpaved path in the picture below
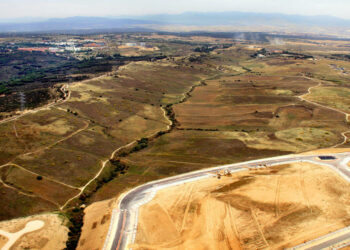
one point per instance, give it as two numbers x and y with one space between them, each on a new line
104 163
302 97
86 125
67 95
48 178
64 88
13 237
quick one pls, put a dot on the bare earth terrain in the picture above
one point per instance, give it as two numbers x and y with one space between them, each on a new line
191 110
96 221
53 235
275 208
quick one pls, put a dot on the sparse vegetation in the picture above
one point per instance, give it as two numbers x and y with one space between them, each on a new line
223 107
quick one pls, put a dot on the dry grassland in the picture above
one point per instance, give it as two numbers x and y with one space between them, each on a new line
47 156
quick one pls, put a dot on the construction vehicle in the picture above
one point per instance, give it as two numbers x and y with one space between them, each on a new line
224 172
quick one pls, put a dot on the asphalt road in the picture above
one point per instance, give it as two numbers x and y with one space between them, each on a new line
330 243
125 225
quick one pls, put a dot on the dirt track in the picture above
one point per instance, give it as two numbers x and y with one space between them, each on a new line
276 208
302 97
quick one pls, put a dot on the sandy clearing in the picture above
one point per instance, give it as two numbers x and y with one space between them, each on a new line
277 207
3 241
59 127
31 226
327 151
96 224
50 232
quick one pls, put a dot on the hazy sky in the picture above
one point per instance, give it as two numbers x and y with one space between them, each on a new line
65 8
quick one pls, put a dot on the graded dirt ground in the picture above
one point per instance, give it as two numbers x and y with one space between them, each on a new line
96 224
52 236
276 208
327 151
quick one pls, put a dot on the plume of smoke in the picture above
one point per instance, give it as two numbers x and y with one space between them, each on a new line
22 100
276 41
239 37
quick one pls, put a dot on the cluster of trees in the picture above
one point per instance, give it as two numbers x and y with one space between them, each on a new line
20 68
76 222
340 56
76 215
205 49
264 52
141 144
3 89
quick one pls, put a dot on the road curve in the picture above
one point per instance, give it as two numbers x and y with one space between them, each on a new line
123 227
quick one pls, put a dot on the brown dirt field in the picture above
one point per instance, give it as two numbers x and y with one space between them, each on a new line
45 188
65 165
68 142
52 236
3 241
35 131
183 151
126 106
15 204
96 223
327 151
93 141
265 105
271 208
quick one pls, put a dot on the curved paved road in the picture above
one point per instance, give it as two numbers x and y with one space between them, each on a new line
122 231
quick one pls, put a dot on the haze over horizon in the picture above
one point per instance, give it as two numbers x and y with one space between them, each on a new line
19 9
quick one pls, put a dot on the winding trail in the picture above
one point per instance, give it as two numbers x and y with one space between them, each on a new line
28 194
45 177
16 189
104 163
10 163
103 166
86 125
66 97
185 96
20 191
302 98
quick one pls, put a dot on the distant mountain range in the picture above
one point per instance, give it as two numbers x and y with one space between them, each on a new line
74 24
156 22
245 18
